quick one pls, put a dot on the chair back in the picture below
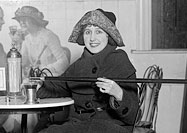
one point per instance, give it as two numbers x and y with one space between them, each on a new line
148 101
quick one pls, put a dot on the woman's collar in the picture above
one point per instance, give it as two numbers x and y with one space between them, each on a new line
104 52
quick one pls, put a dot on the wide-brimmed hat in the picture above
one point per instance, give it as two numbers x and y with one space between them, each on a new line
103 19
32 12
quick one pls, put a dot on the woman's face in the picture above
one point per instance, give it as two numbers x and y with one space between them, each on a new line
95 39
1 18
26 24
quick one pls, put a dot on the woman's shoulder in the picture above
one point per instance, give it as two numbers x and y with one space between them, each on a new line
120 57
49 33
1 45
2 55
1 48
120 53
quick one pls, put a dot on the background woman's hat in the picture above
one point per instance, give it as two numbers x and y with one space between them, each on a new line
32 12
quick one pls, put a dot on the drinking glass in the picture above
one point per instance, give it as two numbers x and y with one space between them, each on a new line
13 29
29 91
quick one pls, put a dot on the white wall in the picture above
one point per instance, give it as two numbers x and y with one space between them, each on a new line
134 25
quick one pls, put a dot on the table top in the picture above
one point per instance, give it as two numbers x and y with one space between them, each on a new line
43 103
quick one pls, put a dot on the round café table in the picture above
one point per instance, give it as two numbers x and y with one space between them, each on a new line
17 106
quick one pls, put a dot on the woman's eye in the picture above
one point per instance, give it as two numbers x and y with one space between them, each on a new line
98 32
87 32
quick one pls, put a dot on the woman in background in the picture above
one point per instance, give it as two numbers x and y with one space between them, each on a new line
105 106
41 48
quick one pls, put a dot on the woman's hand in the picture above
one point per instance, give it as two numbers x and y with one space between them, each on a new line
27 80
110 87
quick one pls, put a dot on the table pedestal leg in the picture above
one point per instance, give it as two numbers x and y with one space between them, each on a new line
24 123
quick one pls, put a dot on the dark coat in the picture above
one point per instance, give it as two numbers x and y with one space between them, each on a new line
93 108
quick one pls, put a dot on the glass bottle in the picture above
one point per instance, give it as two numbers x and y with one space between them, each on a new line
14 72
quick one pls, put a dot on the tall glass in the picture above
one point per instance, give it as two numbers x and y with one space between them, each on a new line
13 29
17 36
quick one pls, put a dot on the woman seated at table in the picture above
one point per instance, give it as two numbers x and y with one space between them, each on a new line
106 105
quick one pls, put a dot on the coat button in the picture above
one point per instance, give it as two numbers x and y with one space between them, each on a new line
88 104
125 111
94 70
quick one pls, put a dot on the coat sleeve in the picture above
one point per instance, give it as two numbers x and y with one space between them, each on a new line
127 108
54 89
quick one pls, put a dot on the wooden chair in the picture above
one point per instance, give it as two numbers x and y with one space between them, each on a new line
148 97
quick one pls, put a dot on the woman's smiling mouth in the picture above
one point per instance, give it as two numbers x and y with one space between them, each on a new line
94 44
